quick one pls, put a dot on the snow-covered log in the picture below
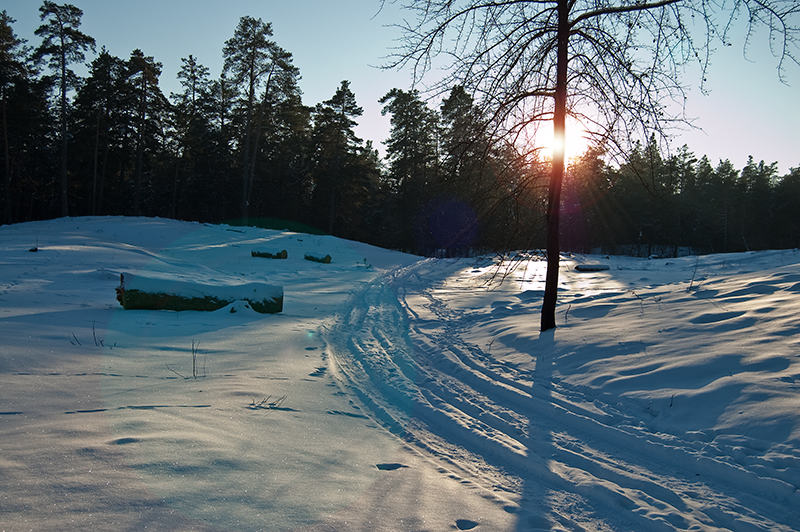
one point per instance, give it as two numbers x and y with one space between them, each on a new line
592 267
140 292
282 254
313 258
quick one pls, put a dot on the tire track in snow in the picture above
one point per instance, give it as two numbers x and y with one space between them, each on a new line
440 393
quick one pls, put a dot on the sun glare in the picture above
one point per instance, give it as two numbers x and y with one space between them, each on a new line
574 145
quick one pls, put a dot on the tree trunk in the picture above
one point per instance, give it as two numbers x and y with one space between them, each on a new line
64 181
7 166
137 183
248 126
548 320
331 209
137 195
251 173
173 211
102 182
95 164
246 173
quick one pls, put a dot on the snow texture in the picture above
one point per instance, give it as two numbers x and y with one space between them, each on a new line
393 392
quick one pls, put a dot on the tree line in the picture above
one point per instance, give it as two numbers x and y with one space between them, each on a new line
653 204
244 148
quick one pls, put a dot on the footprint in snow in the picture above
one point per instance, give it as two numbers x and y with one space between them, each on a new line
347 414
319 372
715 317
124 441
465 524
389 466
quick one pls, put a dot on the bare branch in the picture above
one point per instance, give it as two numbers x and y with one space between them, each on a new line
638 6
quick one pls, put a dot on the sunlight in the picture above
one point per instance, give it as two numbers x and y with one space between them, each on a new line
575 144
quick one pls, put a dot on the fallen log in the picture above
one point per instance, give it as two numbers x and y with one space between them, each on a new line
155 293
313 258
282 254
592 267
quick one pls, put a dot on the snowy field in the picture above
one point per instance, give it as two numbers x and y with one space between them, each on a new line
392 392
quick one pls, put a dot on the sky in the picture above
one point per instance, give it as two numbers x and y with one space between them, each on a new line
748 111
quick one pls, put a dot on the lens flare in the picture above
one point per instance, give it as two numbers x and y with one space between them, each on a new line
572 146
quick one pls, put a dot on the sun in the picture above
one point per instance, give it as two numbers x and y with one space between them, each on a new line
575 144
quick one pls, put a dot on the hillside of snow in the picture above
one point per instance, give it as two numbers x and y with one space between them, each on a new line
392 392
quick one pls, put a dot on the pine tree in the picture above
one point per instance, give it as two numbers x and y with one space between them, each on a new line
680 225
708 206
787 205
413 154
222 94
335 145
756 181
101 122
12 68
464 142
286 160
255 64
194 79
479 177
273 127
640 192
586 205
192 114
726 179
63 44
150 108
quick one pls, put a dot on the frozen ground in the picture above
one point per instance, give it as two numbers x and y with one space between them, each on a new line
418 393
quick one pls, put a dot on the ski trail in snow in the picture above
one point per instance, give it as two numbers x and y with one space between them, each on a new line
540 446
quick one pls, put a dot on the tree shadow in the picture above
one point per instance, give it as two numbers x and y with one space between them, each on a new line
536 501
579 480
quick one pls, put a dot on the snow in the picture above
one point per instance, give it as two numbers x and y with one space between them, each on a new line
419 393
228 292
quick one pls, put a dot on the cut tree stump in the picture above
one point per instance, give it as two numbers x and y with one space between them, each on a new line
155 293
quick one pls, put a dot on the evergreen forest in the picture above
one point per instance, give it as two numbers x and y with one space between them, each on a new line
243 148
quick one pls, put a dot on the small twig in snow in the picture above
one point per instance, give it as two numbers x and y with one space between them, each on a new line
694 273
98 342
267 403
640 298
195 347
176 372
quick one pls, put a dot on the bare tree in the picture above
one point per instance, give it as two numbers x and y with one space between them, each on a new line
614 65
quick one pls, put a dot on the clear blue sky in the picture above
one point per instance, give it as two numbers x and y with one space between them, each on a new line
748 111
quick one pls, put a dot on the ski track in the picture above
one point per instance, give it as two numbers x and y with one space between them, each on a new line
533 449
